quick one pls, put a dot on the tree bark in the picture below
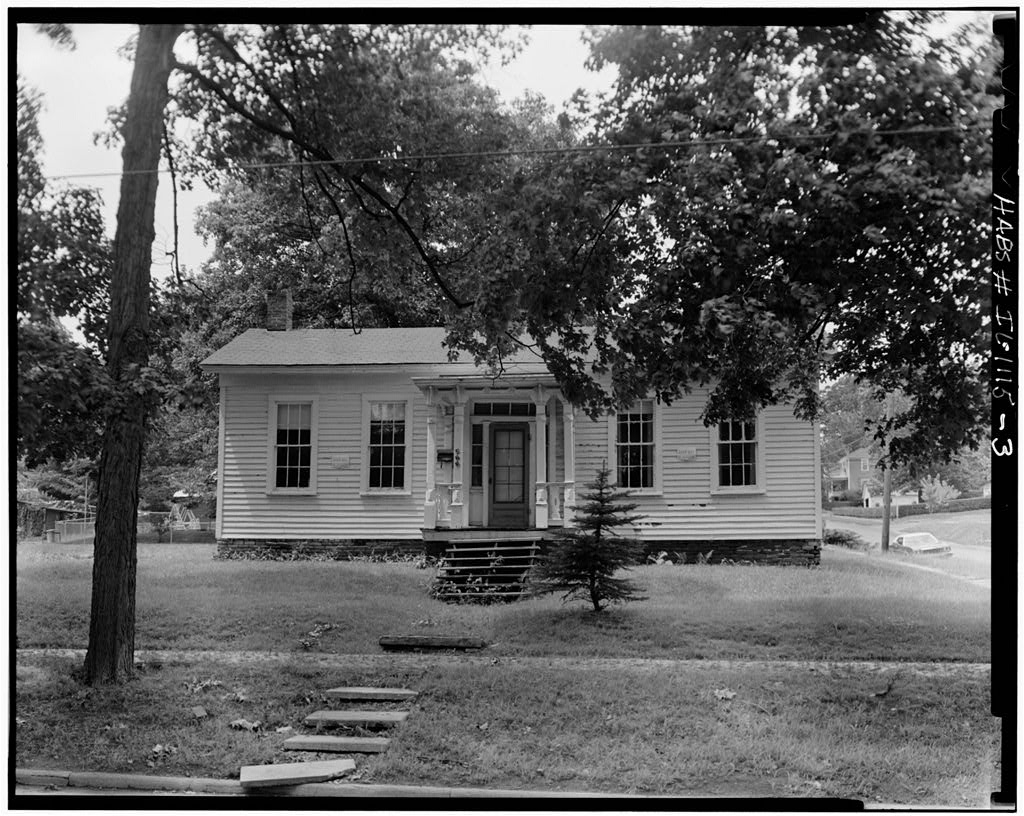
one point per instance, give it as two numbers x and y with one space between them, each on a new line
111 653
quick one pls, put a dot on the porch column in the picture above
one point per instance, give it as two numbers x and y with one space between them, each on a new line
569 441
429 499
459 516
539 427
555 512
486 474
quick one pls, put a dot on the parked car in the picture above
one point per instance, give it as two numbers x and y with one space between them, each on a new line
920 544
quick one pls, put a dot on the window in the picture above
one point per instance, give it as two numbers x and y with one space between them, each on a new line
504 409
387 446
864 465
477 462
737 464
291 453
634 446
737 453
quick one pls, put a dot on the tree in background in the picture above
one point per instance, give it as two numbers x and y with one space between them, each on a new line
63 269
582 561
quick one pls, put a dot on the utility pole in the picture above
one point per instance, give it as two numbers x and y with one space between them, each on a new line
887 483
886 506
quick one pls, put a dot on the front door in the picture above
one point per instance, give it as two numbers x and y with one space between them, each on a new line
508 477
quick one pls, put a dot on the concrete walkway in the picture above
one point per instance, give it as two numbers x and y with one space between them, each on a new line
415 660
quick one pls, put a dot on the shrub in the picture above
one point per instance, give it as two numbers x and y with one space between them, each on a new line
844 538
937 492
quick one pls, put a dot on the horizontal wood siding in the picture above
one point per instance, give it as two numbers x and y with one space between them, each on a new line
687 509
337 510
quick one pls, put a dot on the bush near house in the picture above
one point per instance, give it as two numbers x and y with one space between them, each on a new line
844 538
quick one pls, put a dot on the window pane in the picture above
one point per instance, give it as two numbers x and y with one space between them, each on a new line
748 429
478 434
374 476
398 433
304 477
304 453
398 476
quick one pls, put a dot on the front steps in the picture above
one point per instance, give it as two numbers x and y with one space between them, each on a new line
484 570
296 773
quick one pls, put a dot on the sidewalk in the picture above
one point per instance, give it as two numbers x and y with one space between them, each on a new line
392 660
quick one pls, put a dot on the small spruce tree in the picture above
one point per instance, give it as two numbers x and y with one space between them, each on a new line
582 561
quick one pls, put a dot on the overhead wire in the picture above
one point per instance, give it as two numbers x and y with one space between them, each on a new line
539 151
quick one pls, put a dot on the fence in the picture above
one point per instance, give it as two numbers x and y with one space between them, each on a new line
72 530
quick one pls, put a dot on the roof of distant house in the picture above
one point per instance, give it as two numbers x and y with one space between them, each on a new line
323 347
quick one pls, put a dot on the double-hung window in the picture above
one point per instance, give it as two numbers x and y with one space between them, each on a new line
292 445
634 434
736 454
387 446
387 461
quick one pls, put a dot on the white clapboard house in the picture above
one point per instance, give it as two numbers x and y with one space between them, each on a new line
375 440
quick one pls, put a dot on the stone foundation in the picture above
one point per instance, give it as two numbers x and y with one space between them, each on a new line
316 549
799 552
777 552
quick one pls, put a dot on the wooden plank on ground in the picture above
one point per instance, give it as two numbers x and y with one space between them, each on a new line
428 642
369 693
294 773
337 745
356 717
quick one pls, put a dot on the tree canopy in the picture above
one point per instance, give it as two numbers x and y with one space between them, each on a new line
812 203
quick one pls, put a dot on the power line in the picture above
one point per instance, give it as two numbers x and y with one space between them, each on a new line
539 151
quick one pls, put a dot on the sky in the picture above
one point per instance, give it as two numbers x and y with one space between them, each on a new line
74 111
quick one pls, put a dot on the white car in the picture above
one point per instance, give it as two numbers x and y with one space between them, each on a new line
920 544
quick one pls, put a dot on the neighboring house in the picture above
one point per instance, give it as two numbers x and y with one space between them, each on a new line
852 471
376 439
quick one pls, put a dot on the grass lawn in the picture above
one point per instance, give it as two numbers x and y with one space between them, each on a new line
846 609
706 730
695 728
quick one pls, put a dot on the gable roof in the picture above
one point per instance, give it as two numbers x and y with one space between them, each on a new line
330 347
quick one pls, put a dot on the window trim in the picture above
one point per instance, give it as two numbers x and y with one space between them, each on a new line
759 486
364 434
273 400
613 458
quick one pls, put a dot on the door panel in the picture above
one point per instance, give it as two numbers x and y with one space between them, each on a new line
508 476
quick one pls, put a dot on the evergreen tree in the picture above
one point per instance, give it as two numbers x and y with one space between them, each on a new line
583 560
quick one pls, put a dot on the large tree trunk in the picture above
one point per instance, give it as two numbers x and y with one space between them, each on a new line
111 653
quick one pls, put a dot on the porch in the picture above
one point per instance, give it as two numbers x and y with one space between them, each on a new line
500 463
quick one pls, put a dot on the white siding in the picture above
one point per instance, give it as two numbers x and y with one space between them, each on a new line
687 510
337 510
788 507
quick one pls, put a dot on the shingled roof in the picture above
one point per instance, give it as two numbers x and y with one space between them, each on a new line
328 347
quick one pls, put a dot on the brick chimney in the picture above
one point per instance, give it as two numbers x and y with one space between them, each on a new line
279 310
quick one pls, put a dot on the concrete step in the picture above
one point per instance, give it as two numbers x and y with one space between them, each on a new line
427 642
294 773
356 717
369 693
337 745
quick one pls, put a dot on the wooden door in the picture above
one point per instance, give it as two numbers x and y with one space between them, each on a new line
508 477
